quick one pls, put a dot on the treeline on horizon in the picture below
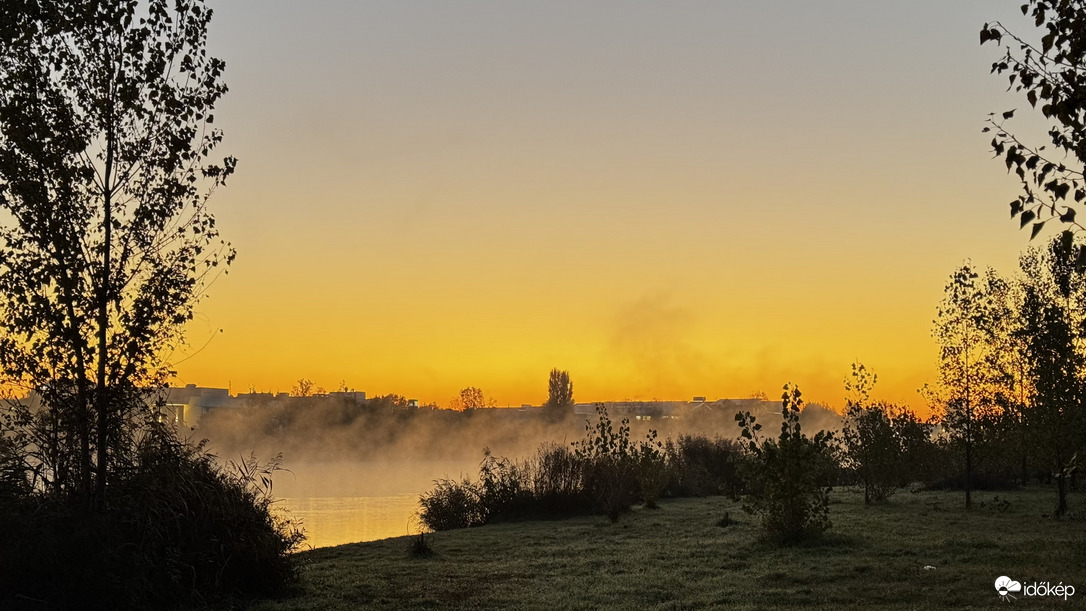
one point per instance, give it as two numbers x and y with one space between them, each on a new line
387 428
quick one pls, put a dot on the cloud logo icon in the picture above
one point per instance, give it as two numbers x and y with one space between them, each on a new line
1005 585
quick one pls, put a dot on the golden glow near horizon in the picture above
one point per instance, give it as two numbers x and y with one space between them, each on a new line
667 201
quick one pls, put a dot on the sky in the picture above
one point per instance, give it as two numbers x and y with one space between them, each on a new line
667 200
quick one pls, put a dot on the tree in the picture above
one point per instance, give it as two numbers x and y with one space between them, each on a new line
1050 73
304 388
471 398
559 390
884 444
1009 363
787 476
870 446
1054 313
106 137
965 317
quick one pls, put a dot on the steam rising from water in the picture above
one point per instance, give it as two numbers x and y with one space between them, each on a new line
341 448
354 471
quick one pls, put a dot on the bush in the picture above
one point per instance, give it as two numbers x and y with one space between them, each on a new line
699 466
557 475
603 472
873 451
615 468
885 446
450 505
650 465
178 529
611 484
504 488
787 478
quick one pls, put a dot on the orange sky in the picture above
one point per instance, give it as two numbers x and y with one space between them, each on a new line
666 200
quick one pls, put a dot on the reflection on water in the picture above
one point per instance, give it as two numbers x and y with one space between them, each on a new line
337 520
344 501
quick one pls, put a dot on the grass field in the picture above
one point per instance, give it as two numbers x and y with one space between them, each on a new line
676 557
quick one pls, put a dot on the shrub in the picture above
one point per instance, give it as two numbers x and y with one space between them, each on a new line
873 451
420 546
603 472
557 475
885 446
611 477
451 504
699 466
650 465
787 477
178 528
504 488
611 482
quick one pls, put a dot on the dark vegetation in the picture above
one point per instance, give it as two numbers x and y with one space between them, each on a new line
605 472
559 394
885 447
1011 401
106 245
179 528
788 478
785 481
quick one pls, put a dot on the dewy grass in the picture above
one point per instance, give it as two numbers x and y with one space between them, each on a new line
676 557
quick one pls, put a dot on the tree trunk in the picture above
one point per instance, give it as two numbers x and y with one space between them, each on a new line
102 396
83 412
968 471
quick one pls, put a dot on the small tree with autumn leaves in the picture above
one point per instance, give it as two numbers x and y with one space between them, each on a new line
471 398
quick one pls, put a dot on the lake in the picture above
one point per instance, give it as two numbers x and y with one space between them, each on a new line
347 502
337 520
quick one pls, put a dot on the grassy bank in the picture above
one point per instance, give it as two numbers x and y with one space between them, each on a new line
677 557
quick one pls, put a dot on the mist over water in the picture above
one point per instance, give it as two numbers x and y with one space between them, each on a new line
354 471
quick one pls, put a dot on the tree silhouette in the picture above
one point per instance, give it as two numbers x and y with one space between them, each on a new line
559 390
962 328
471 398
787 477
304 388
1051 75
106 243
1054 312
884 444
869 443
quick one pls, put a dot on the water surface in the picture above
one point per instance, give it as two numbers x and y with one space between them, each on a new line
341 502
332 521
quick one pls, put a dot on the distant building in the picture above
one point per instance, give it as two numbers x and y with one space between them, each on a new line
634 410
354 395
651 410
253 399
186 406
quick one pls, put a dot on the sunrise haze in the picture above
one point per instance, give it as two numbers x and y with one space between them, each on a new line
667 200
